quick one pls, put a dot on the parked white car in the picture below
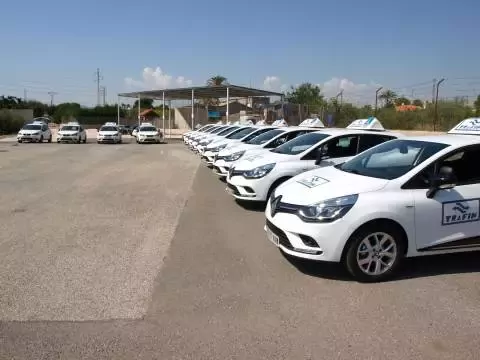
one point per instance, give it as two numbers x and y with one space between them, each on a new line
37 131
72 132
147 133
255 177
407 197
109 133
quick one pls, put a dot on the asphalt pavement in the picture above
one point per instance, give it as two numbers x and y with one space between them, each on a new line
131 251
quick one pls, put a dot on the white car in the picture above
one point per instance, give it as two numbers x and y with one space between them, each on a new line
191 133
109 133
202 143
193 141
408 197
256 176
148 134
233 138
37 131
227 157
72 132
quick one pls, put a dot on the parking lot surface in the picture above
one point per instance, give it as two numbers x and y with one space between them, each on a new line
86 229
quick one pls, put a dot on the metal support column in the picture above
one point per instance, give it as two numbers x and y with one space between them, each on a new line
193 110
118 110
163 111
170 118
228 102
139 111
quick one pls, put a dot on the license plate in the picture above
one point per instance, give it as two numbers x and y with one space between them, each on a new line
272 237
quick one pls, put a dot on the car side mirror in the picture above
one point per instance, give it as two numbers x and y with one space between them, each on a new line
445 179
321 155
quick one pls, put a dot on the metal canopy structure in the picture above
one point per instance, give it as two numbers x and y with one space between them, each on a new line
201 92
198 92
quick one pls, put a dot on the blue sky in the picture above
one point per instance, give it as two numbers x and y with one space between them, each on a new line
49 45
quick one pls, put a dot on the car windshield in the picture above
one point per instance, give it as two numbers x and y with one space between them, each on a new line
217 130
147 128
240 133
262 139
299 144
391 159
32 127
254 134
69 128
206 128
227 130
108 128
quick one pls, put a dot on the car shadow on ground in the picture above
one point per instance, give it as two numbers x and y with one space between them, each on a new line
418 267
256 206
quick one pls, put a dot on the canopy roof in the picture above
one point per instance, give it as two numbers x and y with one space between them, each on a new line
200 92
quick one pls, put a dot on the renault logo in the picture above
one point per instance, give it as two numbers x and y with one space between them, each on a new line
274 204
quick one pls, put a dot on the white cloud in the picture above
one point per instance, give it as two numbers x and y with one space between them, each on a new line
273 83
157 79
356 93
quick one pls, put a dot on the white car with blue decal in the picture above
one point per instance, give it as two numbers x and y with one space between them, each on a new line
256 176
407 197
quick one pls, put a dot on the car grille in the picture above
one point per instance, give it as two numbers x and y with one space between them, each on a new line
282 237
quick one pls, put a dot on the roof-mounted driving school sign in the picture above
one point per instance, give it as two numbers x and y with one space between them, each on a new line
280 122
372 123
470 126
312 122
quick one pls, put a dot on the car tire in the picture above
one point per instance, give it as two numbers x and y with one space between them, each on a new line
41 139
19 141
387 247
50 138
79 140
85 140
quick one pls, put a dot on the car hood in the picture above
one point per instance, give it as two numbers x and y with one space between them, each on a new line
107 132
68 132
254 159
220 142
325 183
236 148
147 133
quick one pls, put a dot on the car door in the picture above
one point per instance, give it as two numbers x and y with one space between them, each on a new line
338 150
449 220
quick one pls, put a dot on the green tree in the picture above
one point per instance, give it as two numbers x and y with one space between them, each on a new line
476 105
417 102
402 100
388 97
144 104
217 80
307 94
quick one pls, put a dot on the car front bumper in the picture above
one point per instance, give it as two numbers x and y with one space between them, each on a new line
108 140
221 167
248 189
296 237
30 138
148 139
66 138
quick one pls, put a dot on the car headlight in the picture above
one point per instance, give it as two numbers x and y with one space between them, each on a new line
218 148
328 210
234 156
259 172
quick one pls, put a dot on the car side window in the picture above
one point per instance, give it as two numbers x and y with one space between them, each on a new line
277 142
341 146
44 127
464 163
368 141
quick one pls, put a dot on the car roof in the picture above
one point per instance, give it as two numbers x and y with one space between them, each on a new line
341 131
449 139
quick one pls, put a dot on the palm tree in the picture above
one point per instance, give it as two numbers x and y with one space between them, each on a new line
217 80
388 97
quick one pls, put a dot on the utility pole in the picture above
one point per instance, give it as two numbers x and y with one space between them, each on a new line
376 98
25 95
433 90
103 92
98 78
52 94
436 104
341 97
